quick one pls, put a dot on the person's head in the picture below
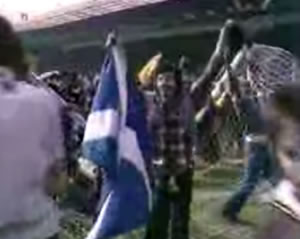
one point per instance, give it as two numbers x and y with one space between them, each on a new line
168 81
12 54
284 115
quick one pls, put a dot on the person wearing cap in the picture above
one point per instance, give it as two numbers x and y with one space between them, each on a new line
171 111
32 171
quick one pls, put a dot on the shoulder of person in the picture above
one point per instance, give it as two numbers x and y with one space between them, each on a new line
186 98
42 97
150 94
187 104
149 97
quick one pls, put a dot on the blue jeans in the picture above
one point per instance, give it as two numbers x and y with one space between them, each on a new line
54 237
259 167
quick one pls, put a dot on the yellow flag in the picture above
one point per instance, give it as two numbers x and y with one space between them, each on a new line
148 72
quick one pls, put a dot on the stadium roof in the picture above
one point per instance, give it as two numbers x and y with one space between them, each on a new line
78 35
88 23
80 11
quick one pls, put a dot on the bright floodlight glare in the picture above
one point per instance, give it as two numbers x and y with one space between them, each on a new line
37 14
15 9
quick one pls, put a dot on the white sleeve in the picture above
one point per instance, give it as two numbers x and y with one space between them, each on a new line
55 130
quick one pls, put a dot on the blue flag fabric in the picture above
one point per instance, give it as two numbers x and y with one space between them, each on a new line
116 138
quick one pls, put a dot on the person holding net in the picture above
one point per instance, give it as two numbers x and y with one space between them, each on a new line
265 69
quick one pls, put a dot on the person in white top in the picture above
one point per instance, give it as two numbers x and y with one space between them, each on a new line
31 148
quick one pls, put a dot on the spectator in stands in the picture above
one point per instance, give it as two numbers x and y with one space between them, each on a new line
171 112
31 148
68 88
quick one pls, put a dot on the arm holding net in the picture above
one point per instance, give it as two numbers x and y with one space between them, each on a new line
200 90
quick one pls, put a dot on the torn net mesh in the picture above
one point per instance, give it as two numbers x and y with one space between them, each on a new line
263 69
269 68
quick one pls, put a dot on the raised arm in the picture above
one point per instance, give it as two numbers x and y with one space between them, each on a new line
230 39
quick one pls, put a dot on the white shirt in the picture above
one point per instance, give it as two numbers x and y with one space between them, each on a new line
30 140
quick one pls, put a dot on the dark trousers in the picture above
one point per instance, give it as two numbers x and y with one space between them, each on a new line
54 237
258 168
171 209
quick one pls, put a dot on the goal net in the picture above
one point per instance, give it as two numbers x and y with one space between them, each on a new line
262 69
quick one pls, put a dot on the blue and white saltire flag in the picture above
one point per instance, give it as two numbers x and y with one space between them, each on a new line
116 139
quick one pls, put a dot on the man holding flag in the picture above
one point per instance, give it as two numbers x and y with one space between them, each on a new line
116 139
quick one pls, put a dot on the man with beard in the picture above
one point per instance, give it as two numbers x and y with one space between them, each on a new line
171 111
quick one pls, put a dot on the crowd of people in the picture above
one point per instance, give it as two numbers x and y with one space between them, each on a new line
43 117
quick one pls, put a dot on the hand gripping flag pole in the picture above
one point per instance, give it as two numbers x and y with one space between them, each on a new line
116 139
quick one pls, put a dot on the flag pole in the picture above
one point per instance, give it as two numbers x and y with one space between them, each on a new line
111 39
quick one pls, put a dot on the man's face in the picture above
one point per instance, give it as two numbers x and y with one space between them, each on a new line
166 86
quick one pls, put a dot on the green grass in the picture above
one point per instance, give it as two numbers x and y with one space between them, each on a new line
211 190
216 179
